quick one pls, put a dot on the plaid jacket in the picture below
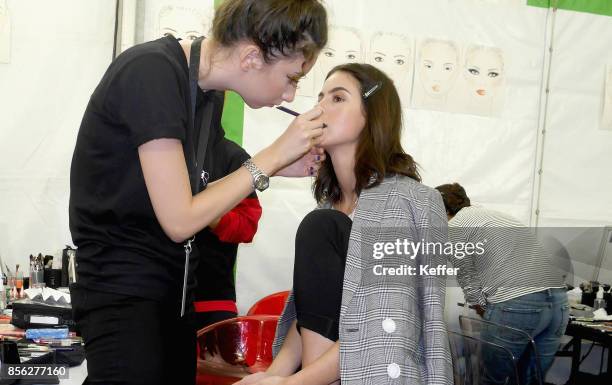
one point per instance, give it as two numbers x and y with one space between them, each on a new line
392 328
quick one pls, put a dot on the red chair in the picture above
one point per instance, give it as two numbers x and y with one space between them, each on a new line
231 349
272 304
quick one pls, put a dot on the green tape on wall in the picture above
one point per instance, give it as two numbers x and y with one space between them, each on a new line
233 117
233 112
539 3
598 7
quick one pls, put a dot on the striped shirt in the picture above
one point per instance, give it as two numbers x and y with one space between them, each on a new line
509 263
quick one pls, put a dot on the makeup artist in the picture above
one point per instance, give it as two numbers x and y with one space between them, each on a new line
135 177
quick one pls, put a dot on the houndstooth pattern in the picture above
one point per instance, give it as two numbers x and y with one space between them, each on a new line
399 206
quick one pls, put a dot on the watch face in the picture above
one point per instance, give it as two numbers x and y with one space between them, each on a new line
262 182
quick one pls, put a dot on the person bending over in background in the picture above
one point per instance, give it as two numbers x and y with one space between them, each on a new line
513 282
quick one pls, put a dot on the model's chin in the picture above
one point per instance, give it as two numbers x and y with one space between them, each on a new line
252 104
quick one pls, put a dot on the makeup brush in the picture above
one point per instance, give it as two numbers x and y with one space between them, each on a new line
291 112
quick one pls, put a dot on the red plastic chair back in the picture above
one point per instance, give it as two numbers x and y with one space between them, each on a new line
272 304
231 349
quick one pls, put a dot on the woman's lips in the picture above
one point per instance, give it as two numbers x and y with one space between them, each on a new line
481 92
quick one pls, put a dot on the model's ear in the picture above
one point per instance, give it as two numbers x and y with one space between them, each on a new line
251 57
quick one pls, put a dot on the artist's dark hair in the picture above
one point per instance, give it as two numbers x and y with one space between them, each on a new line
454 197
379 150
277 27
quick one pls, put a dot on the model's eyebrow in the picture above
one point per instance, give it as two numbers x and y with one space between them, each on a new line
334 90
192 32
380 53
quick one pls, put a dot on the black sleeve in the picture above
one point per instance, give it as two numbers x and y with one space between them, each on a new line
236 155
146 95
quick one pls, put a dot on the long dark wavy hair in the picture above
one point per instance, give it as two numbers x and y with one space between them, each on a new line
379 151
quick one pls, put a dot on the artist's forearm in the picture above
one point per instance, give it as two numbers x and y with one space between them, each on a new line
211 204
213 225
178 212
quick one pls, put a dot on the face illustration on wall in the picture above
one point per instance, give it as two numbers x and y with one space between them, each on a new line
392 53
483 70
182 22
438 66
344 45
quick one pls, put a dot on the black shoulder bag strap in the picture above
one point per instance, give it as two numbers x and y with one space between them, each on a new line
195 155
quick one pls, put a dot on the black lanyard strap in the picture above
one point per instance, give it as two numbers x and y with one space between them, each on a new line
195 154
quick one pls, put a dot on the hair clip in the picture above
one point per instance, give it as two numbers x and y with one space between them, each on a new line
372 90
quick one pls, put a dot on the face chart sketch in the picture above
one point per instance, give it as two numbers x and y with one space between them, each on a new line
344 46
182 22
5 33
483 72
392 53
436 73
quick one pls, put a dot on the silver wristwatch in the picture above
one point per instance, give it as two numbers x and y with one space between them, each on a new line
260 180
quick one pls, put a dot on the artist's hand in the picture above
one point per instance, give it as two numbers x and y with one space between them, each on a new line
302 135
307 165
252 378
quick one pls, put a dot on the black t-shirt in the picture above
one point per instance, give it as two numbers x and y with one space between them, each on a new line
144 95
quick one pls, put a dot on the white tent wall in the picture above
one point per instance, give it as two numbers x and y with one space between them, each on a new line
59 51
576 187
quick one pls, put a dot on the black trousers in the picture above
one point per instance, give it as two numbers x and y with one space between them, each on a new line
132 340
321 245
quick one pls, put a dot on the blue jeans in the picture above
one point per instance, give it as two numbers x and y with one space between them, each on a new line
544 315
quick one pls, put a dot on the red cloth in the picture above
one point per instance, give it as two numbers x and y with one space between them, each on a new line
240 224
223 305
